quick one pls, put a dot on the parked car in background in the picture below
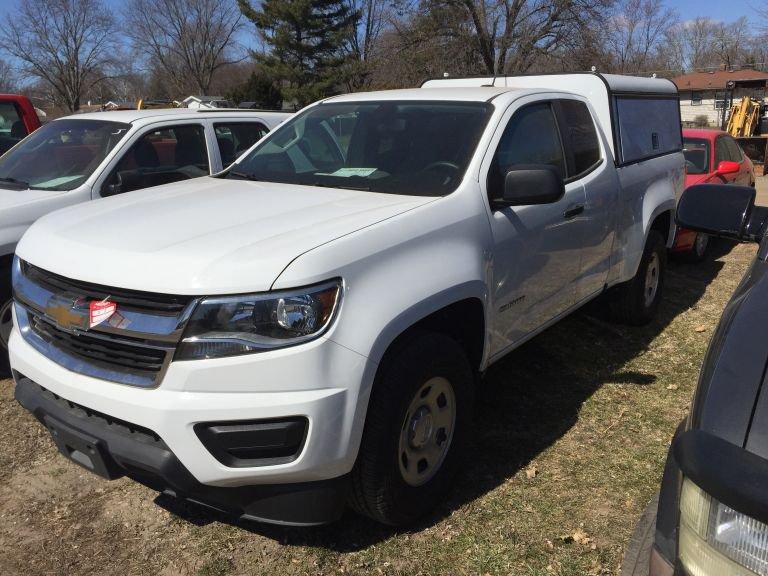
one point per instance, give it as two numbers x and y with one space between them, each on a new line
711 156
307 328
87 156
18 119
711 516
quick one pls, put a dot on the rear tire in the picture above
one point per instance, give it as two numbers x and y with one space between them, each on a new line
638 555
698 252
417 428
635 302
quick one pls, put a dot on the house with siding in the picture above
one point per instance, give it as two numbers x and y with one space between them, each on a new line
705 94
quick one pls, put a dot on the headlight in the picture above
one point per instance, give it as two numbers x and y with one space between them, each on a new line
235 325
715 539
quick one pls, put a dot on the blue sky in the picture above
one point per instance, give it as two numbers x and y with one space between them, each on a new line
726 10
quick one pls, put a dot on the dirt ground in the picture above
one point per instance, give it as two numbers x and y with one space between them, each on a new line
572 432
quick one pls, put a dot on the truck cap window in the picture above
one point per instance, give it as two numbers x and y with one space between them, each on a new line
648 127
418 148
61 155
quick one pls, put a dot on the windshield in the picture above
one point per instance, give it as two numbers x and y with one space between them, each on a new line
401 147
60 155
696 151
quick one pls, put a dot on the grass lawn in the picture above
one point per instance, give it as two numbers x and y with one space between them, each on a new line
572 431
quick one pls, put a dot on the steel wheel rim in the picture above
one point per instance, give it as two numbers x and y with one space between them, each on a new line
700 245
6 322
652 279
427 431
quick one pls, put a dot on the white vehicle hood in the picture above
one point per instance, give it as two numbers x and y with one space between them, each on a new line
203 236
11 198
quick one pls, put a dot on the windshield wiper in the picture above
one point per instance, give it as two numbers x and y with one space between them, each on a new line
15 181
243 175
340 187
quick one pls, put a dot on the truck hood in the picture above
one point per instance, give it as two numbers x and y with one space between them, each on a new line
203 236
11 198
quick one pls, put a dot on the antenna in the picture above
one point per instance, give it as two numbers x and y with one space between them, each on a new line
593 69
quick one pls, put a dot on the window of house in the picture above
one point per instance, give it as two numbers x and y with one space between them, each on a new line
696 98
721 100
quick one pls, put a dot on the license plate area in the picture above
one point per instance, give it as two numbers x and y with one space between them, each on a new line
82 449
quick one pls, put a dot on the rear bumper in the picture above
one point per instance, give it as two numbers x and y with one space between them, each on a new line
139 453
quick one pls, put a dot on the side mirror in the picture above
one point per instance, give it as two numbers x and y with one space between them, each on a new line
727 167
532 184
721 210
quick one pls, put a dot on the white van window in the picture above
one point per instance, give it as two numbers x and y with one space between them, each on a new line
647 127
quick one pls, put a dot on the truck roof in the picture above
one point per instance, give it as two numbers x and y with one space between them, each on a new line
573 81
134 116
448 93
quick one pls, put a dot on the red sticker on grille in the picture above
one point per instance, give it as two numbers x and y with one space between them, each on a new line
99 311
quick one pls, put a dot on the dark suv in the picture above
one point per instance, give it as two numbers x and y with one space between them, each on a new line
712 514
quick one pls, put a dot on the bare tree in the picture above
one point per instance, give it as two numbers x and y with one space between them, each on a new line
190 40
7 77
729 41
635 33
68 44
364 40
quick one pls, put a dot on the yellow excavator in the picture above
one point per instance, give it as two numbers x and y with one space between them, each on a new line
743 124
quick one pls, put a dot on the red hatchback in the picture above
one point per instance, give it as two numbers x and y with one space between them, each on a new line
711 156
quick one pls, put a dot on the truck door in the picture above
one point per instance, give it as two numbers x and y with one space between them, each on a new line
587 166
537 248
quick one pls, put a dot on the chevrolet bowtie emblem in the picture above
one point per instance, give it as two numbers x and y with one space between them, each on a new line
69 312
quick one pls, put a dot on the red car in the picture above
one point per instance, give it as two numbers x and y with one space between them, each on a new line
18 118
711 156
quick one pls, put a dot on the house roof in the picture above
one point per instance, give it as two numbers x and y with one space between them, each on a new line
716 80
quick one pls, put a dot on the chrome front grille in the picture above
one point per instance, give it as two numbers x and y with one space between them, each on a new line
136 350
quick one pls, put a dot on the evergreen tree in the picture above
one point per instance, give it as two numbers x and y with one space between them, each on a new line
258 88
306 40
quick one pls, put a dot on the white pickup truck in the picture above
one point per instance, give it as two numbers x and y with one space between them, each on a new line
307 329
88 156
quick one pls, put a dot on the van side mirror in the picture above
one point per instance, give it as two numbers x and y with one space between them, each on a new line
727 167
722 210
532 184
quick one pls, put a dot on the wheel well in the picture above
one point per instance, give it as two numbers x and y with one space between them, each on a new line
662 223
464 321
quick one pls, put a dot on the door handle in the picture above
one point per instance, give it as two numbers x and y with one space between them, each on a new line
572 212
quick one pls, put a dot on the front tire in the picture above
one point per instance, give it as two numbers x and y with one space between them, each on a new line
6 307
635 302
638 555
417 428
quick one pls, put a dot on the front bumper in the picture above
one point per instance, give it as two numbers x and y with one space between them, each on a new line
321 381
113 449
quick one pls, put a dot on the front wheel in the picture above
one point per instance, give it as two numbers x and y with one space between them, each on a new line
6 307
638 555
699 250
636 301
6 322
418 424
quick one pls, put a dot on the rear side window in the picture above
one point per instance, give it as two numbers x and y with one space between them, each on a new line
734 152
531 137
579 137
721 151
647 127
234 138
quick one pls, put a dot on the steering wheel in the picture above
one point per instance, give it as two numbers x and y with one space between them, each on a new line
441 164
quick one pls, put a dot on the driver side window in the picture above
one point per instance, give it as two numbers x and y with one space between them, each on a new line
531 137
160 156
